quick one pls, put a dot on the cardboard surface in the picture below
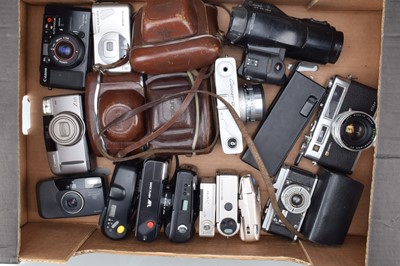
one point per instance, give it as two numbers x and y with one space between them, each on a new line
9 153
384 233
57 240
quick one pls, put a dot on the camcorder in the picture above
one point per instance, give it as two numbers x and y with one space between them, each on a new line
267 35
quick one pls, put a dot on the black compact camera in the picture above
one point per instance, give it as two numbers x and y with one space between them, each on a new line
294 191
155 200
179 226
66 41
345 126
267 34
71 197
115 220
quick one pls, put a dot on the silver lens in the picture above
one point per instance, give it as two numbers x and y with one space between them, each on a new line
66 129
296 199
354 130
251 102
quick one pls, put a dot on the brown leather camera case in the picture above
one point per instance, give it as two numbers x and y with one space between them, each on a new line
199 116
117 94
174 36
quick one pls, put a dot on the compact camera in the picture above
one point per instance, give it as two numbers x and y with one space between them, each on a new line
247 100
344 127
71 197
64 135
294 191
180 225
227 215
66 40
250 209
115 220
207 209
155 200
111 34
267 34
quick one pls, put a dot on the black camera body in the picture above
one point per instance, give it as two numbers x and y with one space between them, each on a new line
267 34
71 197
115 220
181 224
66 42
345 126
154 201
294 191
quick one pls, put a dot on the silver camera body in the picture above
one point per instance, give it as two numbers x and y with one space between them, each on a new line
111 34
294 189
247 100
207 209
64 134
227 214
250 209
345 126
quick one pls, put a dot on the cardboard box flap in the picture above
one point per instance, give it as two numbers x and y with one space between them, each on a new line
52 242
347 5
269 247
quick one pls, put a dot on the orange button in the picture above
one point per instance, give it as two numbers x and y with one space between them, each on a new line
150 224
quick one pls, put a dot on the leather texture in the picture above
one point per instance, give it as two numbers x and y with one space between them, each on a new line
173 36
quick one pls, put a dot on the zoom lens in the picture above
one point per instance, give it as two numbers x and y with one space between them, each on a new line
354 131
66 129
251 102
66 50
72 202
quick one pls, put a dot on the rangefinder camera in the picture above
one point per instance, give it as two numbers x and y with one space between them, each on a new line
227 215
207 209
66 39
71 197
155 200
180 226
111 34
345 126
250 209
267 35
294 190
247 100
64 135
116 218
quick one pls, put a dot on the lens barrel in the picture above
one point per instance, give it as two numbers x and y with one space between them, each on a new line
251 102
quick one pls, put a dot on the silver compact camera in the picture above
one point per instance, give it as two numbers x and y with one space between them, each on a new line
207 209
344 127
64 135
250 209
111 34
247 100
227 214
294 190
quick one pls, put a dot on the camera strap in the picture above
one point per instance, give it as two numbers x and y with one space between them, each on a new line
271 197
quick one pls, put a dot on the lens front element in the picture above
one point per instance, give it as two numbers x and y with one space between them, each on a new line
72 202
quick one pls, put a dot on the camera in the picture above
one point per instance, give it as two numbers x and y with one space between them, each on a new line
247 100
155 200
115 220
64 135
345 126
249 208
66 40
180 225
207 209
111 34
227 216
71 197
267 34
294 191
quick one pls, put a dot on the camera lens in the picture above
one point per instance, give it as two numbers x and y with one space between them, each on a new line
72 202
296 199
354 131
66 129
251 102
66 50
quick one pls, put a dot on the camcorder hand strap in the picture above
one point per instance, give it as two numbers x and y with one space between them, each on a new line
246 136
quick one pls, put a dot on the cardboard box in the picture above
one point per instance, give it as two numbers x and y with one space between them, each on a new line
57 240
